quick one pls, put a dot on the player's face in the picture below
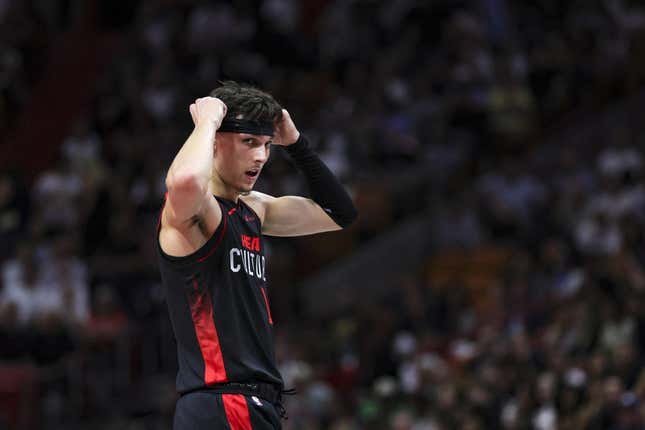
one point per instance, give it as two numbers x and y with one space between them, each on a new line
239 158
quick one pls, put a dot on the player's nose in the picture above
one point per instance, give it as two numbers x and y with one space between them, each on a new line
260 154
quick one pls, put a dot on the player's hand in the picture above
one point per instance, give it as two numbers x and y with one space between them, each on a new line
286 131
208 109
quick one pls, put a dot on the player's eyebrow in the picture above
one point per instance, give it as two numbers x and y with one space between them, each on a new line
255 138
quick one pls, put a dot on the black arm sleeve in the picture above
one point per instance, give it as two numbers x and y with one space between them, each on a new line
325 189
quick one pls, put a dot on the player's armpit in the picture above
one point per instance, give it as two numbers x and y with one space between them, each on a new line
179 237
205 211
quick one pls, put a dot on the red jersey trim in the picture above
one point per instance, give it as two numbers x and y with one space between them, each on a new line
266 303
237 412
201 309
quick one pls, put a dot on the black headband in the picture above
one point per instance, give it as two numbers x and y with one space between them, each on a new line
261 128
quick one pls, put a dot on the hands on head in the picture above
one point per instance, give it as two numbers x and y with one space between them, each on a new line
212 109
208 109
286 131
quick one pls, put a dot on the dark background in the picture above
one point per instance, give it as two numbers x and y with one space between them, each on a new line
494 280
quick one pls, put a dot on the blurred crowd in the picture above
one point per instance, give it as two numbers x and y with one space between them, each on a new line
28 35
527 313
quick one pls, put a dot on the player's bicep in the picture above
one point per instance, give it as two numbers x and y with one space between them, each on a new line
295 216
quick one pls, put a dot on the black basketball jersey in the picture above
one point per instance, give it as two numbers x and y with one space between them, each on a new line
218 303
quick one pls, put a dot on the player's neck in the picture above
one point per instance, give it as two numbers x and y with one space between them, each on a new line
218 188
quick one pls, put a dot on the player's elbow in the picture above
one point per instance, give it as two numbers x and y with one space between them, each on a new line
185 183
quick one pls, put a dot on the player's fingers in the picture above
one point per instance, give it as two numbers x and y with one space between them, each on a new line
287 121
193 113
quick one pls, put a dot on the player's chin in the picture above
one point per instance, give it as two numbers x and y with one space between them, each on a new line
248 183
246 187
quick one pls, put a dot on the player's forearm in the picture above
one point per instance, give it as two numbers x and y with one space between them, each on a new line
192 166
326 189
189 173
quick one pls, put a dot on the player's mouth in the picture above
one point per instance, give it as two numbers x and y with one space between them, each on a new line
252 174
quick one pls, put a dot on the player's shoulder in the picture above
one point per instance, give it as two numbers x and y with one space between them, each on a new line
256 197
257 201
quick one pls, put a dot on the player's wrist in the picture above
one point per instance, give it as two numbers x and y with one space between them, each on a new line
291 140
299 142
207 125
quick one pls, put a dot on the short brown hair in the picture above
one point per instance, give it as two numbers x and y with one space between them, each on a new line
247 102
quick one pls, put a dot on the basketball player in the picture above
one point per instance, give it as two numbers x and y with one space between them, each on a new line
211 255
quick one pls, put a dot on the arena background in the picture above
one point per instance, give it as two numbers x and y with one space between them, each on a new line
494 148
